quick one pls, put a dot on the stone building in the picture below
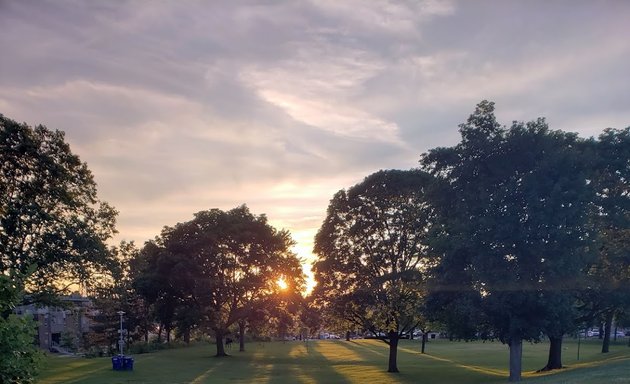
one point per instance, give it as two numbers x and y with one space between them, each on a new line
60 327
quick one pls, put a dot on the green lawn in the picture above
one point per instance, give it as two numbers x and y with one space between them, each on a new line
359 361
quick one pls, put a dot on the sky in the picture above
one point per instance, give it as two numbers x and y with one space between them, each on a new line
184 106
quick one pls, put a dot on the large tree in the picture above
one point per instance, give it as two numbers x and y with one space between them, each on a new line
514 223
223 265
609 291
371 255
53 227
160 278
53 230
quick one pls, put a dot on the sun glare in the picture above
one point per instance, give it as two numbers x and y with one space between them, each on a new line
282 284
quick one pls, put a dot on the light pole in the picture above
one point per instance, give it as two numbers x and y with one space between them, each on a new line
121 341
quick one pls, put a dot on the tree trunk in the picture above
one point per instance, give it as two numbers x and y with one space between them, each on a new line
347 335
187 336
167 330
241 336
159 337
218 335
393 352
555 354
607 326
601 331
425 336
516 355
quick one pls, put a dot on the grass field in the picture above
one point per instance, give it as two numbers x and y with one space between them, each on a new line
358 361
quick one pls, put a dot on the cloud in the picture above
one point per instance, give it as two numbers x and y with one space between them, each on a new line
399 19
190 105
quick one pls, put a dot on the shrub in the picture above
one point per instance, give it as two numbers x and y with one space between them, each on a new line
20 361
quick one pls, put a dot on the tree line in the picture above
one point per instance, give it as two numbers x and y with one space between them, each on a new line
218 271
516 233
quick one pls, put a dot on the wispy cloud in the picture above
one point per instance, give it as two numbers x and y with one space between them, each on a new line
185 106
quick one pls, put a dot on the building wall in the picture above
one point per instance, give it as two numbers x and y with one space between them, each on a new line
54 322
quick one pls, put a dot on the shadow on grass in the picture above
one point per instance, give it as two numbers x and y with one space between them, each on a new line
321 370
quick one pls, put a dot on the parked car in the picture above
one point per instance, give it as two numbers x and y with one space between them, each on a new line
589 333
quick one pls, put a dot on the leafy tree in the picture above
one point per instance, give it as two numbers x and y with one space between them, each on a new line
371 255
20 361
52 226
114 292
52 232
514 223
159 277
223 264
610 291
311 317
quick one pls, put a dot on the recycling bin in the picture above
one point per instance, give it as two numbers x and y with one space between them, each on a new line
117 363
127 363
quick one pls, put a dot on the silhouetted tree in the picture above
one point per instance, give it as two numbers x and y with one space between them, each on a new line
610 289
53 228
371 255
222 265
514 221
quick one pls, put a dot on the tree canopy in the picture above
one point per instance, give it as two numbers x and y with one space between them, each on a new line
514 211
53 230
220 265
371 255
609 290
53 227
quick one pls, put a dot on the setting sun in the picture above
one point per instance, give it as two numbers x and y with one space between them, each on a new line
282 284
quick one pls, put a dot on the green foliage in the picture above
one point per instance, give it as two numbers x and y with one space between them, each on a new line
216 269
114 292
609 290
20 360
514 210
611 180
52 226
10 294
69 341
371 254
52 233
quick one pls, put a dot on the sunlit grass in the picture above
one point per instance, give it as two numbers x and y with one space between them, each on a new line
357 361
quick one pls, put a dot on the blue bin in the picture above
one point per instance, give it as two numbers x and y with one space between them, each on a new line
117 363
128 363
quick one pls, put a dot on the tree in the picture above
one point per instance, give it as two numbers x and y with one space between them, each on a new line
161 279
311 318
371 255
52 226
610 291
514 221
52 231
223 264
20 361
114 292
